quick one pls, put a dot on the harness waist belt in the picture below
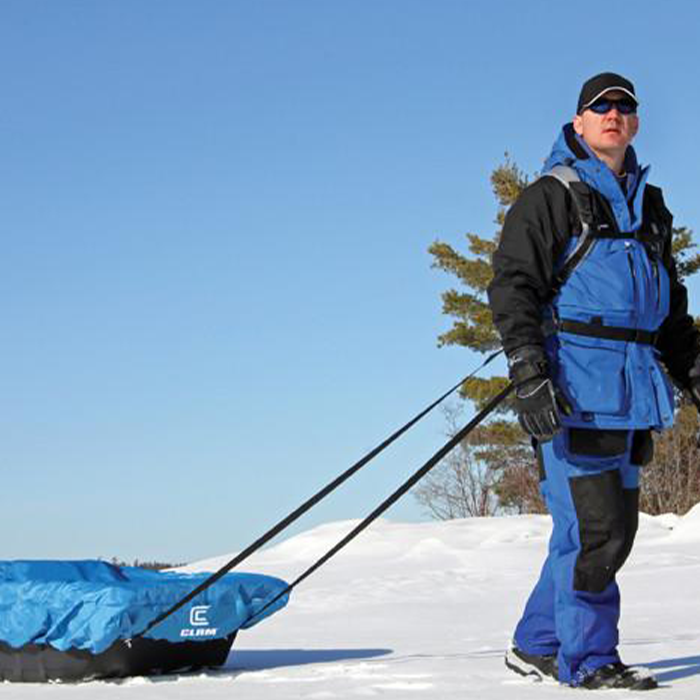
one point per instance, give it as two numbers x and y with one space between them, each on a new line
598 330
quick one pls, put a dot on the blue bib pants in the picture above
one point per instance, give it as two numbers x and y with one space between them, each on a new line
573 610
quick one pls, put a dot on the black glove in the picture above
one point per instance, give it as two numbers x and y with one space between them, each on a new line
537 401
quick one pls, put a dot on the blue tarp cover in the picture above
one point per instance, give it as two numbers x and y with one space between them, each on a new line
90 604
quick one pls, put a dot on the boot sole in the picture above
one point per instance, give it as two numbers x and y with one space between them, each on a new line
644 684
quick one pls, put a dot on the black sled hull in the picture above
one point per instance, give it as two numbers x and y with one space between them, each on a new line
38 663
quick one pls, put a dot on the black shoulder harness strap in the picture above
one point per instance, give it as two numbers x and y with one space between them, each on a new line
657 236
589 228
655 232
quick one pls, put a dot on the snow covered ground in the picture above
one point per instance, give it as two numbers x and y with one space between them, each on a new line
425 611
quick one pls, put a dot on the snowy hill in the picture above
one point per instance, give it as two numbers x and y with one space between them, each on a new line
425 611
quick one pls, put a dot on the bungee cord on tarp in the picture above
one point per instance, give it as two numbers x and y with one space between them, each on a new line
334 484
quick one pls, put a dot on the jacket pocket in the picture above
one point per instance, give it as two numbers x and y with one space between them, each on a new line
593 376
606 281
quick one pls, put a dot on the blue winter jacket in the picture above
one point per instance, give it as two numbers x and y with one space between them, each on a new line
613 384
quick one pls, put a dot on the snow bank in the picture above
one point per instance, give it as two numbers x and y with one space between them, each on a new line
425 610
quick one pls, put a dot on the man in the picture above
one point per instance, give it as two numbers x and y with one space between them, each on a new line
587 300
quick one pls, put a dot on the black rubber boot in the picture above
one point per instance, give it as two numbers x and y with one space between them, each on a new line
617 675
539 667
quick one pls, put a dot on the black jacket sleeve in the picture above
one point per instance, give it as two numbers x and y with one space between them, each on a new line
536 231
679 338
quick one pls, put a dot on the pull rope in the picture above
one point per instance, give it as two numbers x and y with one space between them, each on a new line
388 502
307 505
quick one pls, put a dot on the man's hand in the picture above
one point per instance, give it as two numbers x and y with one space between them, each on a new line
538 402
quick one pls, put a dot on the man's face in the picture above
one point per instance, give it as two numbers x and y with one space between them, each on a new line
610 133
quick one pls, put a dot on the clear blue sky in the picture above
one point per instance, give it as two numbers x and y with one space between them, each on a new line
215 291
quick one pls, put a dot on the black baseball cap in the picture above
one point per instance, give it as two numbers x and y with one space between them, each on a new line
600 84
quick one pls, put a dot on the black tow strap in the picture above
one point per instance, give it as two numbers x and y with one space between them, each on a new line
307 505
402 490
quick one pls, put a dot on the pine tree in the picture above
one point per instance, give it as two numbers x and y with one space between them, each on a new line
500 445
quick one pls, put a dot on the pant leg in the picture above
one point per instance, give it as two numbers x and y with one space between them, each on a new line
592 499
536 633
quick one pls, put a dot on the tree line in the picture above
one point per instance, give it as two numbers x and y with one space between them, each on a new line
152 565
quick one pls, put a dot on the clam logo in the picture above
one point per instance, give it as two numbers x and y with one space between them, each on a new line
200 622
198 616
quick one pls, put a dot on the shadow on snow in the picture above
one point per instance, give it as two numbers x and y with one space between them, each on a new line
242 660
682 667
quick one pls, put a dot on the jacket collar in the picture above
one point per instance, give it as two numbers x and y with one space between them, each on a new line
570 149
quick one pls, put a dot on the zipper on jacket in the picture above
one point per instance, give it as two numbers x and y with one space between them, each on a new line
630 260
609 211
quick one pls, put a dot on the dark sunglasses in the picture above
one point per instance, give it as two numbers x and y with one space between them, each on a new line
604 105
